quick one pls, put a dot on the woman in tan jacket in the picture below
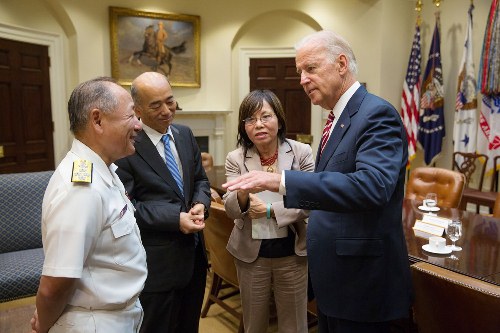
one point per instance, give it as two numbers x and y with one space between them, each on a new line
268 240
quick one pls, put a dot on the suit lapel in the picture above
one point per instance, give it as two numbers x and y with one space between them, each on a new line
252 160
285 159
341 128
337 133
145 148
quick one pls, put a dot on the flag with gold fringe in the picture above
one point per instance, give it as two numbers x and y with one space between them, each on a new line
431 128
465 128
488 137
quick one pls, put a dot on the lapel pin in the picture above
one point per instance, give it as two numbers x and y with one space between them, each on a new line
341 125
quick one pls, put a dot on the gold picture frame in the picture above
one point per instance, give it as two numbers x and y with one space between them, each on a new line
147 41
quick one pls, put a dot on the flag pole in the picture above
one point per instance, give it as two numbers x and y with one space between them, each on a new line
418 9
438 3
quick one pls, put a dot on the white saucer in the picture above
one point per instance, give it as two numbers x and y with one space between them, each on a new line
429 209
428 248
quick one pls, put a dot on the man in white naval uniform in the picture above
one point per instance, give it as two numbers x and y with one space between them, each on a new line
95 264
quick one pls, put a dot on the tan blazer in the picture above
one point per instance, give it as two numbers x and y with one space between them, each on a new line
292 155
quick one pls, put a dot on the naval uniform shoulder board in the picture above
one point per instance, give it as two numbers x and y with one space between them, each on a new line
82 171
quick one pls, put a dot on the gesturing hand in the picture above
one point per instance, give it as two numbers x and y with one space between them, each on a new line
254 182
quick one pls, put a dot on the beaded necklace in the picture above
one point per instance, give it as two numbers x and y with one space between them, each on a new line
269 161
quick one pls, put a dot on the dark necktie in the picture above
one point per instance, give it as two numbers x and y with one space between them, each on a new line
326 131
171 163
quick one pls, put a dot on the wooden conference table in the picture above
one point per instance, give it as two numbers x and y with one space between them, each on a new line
480 242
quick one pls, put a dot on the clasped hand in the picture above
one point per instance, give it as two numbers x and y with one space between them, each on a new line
194 220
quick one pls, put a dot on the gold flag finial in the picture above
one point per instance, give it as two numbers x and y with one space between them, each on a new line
418 9
437 3
418 6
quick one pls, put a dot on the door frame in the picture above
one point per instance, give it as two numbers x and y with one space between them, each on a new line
247 53
57 80
244 55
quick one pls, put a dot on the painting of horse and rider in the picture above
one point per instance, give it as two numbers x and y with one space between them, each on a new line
165 43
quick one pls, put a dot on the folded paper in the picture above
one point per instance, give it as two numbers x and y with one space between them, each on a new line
427 228
265 228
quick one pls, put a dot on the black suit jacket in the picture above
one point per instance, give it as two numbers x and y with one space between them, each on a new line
158 202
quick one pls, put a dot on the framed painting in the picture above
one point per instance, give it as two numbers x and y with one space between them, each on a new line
163 42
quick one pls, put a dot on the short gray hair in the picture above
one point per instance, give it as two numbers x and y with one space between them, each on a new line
89 95
334 45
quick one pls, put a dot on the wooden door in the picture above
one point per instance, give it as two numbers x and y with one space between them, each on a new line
280 76
26 142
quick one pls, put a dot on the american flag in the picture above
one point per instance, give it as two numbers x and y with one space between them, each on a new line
410 98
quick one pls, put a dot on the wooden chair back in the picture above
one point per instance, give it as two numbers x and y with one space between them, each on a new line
447 301
473 166
217 230
495 178
496 208
215 196
447 184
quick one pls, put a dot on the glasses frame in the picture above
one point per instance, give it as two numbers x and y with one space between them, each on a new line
252 121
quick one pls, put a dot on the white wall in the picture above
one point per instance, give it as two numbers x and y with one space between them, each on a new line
380 32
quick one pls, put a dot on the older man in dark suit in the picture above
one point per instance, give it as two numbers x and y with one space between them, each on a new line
168 186
357 254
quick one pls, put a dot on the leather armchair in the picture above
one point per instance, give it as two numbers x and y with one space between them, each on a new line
447 184
207 161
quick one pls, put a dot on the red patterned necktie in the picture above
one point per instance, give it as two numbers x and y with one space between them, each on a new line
326 130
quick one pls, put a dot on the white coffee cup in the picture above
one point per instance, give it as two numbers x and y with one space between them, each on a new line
437 243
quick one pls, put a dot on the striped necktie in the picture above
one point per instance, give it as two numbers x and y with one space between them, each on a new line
326 131
171 163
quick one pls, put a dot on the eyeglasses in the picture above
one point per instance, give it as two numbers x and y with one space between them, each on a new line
250 121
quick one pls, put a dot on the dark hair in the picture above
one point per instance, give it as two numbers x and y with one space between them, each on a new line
252 103
89 95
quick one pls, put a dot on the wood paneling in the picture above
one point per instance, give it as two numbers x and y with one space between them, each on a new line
280 76
25 110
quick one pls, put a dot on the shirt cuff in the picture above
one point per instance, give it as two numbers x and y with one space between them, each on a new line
282 188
